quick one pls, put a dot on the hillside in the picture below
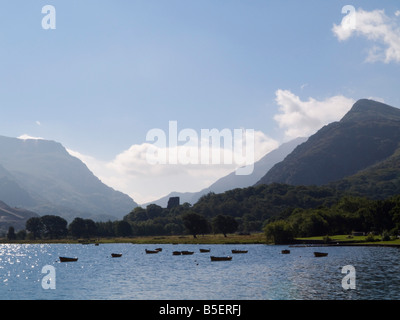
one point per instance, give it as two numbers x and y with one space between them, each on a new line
368 134
15 217
378 181
42 176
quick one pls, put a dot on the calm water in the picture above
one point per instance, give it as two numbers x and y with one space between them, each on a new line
262 273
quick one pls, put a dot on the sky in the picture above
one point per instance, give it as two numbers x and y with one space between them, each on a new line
111 72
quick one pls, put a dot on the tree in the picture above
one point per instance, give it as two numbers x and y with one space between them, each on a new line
153 211
224 224
82 228
11 234
35 226
105 229
123 229
54 226
195 223
137 214
279 232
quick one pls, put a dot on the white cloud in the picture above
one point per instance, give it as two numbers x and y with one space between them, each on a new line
28 137
377 27
131 172
397 13
302 118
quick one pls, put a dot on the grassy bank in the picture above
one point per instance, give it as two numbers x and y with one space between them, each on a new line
255 238
356 240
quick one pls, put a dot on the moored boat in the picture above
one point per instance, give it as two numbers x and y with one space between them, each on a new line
221 258
67 259
239 251
116 255
320 254
176 253
285 251
204 250
152 251
187 252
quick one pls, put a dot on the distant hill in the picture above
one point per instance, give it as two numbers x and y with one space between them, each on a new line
41 176
15 217
232 181
367 135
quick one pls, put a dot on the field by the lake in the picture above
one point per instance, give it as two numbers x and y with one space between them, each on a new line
254 238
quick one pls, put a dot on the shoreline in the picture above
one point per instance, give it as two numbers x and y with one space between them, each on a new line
209 239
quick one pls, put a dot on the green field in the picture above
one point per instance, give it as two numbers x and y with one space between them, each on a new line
255 238
343 239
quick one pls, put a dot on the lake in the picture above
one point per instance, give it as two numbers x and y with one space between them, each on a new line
261 274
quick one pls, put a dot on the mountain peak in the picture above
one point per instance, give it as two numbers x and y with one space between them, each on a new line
365 109
369 133
40 175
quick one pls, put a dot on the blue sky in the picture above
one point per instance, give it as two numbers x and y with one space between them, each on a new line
113 70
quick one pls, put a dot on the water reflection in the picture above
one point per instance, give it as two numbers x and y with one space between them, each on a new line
262 273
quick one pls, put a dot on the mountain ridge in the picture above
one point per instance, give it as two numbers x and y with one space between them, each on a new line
15 217
54 182
341 148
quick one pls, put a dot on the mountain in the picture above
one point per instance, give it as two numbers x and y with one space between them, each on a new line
367 135
15 217
232 181
41 176
379 181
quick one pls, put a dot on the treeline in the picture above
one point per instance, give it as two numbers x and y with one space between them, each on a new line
252 206
349 214
282 211
153 220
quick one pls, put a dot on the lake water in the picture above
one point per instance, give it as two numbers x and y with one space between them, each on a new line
262 273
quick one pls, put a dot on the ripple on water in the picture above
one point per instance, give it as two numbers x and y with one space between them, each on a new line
262 273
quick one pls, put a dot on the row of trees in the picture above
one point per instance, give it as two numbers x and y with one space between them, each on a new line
349 214
55 227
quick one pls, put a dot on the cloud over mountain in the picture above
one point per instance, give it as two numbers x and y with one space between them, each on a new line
131 171
376 26
302 118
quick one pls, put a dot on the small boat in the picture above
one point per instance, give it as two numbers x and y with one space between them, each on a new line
66 259
239 251
285 251
158 249
220 258
204 250
320 254
176 253
187 252
152 251
116 255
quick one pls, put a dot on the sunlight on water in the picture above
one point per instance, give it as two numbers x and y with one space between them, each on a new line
262 273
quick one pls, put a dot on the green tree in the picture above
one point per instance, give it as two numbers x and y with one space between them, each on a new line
224 224
137 214
279 232
105 229
154 211
11 234
195 223
54 226
82 228
123 229
35 226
